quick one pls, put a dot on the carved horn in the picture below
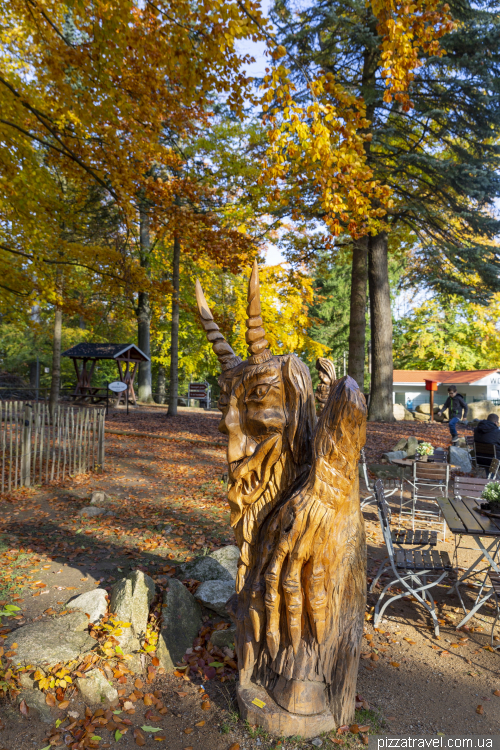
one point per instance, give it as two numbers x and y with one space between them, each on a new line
255 335
225 354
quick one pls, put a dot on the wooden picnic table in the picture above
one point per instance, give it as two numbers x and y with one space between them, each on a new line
411 461
463 519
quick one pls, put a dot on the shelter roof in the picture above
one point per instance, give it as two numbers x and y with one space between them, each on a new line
106 351
462 377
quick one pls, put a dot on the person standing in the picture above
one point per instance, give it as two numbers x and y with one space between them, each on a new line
457 408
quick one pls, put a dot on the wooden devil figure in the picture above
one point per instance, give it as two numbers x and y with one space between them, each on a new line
294 497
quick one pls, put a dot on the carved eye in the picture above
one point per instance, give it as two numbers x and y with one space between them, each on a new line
258 393
223 400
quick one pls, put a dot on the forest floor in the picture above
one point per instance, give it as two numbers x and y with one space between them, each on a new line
169 505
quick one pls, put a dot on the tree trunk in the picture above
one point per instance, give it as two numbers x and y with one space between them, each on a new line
357 321
162 385
55 383
174 336
144 392
144 389
381 409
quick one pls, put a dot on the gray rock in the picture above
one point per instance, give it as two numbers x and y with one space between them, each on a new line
27 681
91 511
35 700
214 595
131 598
59 639
461 458
221 565
95 689
391 455
181 622
421 417
481 409
99 497
401 444
92 603
317 742
412 446
223 638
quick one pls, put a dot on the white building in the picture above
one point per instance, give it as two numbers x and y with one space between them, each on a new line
475 385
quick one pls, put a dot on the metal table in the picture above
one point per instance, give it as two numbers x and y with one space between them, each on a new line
462 519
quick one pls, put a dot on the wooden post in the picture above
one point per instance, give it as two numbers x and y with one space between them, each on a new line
100 442
431 403
26 448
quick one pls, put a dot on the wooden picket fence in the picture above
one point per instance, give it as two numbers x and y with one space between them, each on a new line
35 449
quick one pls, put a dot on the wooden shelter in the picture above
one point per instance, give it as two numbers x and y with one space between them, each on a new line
85 356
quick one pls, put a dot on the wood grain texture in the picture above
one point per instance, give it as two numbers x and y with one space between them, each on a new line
294 497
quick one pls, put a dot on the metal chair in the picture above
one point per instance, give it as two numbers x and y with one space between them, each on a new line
410 567
495 591
494 466
469 487
484 454
427 477
439 456
370 499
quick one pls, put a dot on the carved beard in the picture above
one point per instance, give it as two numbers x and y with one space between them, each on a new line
280 477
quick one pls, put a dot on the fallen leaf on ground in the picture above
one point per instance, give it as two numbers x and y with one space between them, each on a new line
235 746
188 730
496 692
50 700
200 724
205 705
23 707
479 710
394 664
139 738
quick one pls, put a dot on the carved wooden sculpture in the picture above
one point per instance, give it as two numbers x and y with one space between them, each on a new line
294 497
327 376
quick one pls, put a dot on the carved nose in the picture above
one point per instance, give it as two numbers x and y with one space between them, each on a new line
240 445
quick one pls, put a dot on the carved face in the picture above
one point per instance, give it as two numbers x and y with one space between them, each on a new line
256 402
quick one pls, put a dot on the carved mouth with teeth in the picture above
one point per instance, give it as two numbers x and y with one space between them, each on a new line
249 476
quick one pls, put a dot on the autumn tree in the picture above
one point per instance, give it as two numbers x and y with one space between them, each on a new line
99 93
435 151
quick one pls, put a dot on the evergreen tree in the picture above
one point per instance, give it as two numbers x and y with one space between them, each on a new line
440 158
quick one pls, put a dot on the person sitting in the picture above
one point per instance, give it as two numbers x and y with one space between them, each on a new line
487 431
455 403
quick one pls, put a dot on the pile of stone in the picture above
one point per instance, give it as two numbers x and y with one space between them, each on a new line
66 638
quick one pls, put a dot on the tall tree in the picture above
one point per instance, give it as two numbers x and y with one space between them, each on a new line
438 154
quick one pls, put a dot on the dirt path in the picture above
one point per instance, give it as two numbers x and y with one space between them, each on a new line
168 505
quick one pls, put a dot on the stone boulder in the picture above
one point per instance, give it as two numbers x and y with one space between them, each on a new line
49 642
181 622
461 458
481 410
423 409
221 565
92 510
422 417
215 594
93 603
412 446
99 497
392 455
95 689
399 412
401 445
35 700
221 638
130 600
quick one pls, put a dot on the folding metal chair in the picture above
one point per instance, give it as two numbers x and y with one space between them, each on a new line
492 474
439 456
427 477
369 499
495 586
469 487
410 567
